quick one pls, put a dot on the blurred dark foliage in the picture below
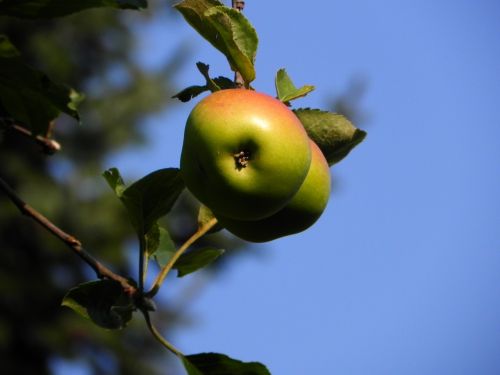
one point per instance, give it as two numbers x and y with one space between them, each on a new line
36 270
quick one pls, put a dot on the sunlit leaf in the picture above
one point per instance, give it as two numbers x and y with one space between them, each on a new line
166 248
239 37
204 216
286 90
115 181
227 30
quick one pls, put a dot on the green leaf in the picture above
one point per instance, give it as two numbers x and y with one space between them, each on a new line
196 259
7 49
102 301
205 214
227 30
165 249
286 90
28 95
335 135
220 364
115 181
239 37
152 240
58 8
152 197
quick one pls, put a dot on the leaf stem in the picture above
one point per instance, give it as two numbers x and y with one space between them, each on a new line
142 263
165 270
157 335
238 78
72 242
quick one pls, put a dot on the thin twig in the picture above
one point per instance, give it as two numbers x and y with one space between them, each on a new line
49 146
73 243
238 78
166 269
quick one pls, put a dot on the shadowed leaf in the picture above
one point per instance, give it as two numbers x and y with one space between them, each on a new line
189 93
103 301
196 259
29 96
152 197
220 364
335 135
58 8
212 85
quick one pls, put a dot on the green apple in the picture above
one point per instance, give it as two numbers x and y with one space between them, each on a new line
245 154
300 213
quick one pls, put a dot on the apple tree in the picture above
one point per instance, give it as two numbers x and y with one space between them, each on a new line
258 166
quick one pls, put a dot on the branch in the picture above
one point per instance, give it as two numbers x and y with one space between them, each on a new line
73 243
49 146
238 78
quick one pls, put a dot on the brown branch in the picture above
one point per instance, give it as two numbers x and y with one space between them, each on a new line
73 243
238 78
49 146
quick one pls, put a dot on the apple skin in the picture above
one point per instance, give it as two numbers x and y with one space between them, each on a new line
245 154
300 213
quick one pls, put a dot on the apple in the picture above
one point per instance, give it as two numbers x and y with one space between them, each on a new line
245 154
303 210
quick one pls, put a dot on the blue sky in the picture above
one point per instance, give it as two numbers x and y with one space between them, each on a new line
401 273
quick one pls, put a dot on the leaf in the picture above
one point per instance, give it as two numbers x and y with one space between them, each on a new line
224 83
239 37
102 301
189 93
286 90
166 248
227 30
205 214
115 181
196 259
58 8
152 197
220 364
335 135
152 239
212 85
28 95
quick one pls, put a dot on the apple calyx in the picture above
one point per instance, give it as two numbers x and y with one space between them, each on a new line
241 159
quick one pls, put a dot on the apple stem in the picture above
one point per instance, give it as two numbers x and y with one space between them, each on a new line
166 269
157 335
238 78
